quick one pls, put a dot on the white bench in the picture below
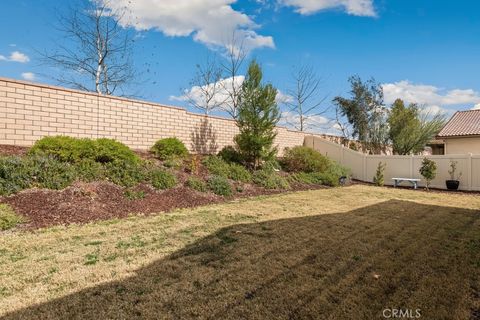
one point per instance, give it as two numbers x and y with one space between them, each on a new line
397 181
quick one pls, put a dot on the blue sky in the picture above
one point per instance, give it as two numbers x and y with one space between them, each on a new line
423 51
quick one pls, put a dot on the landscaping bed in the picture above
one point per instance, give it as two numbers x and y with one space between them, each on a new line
63 180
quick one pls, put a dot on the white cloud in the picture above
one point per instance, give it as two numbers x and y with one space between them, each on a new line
283 98
196 93
433 98
16 56
313 123
28 76
211 22
352 7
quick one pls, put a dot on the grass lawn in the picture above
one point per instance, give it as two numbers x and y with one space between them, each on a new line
345 253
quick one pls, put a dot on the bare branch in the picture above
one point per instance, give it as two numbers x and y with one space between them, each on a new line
97 51
306 102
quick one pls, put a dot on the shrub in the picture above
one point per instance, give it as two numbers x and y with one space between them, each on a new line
68 149
196 184
14 175
230 154
331 176
63 148
169 148
428 170
217 166
18 173
308 178
48 172
161 179
172 162
89 170
379 179
270 179
304 159
8 217
109 150
239 173
219 185
124 174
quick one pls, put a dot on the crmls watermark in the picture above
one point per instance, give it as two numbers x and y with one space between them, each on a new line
393 313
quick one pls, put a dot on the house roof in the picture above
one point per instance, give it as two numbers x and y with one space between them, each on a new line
462 123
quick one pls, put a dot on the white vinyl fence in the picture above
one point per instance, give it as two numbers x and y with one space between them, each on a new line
363 167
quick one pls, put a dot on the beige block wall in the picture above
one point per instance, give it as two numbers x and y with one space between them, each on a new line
30 111
462 145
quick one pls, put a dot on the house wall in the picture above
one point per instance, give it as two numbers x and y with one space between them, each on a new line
30 111
363 167
462 145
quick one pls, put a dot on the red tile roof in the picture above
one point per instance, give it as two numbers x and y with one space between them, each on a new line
462 123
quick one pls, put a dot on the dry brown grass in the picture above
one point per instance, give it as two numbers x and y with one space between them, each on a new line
305 255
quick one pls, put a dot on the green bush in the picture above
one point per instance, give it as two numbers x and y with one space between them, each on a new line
219 185
217 166
169 148
196 184
48 172
174 163
63 148
331 176
18 173
89 170
315 178
230 154
14 175
109 150
304 159
68 149
269 179
161 179
124 174
239 173
8 218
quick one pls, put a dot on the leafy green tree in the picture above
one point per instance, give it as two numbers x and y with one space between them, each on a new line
410 129
258 114
366 113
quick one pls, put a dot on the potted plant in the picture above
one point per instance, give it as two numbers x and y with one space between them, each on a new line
454 182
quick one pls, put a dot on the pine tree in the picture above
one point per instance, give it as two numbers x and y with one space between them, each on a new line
258 114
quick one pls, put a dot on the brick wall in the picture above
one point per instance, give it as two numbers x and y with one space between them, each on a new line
30 111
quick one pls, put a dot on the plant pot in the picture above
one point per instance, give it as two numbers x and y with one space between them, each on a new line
452 184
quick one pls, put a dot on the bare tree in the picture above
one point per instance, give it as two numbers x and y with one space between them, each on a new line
306 101
96 55
206 88
235 55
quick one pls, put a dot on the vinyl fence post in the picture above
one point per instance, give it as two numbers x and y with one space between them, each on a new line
411 167
469 171
364 168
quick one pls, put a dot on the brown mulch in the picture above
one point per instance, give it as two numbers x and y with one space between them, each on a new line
9 150
86 202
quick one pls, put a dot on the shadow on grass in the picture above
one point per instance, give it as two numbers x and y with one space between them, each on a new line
353 265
